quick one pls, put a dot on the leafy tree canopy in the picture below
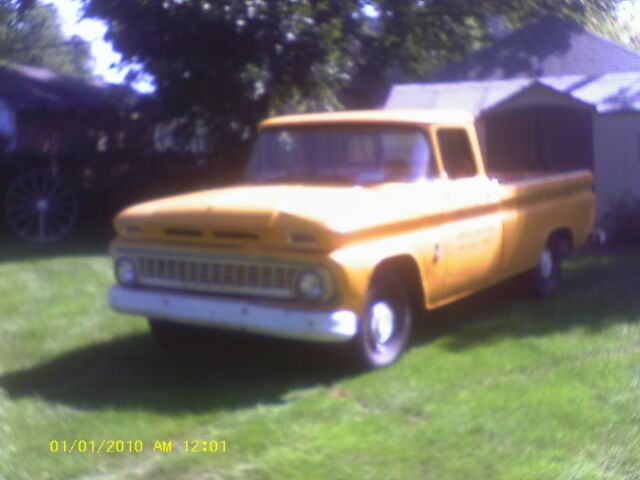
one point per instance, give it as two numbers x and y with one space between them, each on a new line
31 34
233 62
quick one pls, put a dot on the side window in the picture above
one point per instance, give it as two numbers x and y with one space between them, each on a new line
457 156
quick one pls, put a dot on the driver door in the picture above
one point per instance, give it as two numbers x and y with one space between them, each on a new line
473 232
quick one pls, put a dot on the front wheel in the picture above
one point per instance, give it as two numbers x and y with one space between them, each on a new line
385 323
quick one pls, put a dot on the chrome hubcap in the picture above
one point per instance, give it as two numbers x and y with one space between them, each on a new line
546 263
382 323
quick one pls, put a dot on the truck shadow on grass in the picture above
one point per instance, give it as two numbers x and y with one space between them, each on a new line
596 292
217 371
235 371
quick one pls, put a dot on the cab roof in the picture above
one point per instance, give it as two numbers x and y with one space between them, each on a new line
448 117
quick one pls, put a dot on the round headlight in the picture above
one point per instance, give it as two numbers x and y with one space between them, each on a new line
310 286
125 270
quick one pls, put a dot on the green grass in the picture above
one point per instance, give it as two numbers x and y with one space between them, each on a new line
496 386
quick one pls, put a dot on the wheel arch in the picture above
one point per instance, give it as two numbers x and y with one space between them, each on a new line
408 268
564 236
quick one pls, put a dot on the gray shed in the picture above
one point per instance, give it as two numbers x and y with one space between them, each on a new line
584 115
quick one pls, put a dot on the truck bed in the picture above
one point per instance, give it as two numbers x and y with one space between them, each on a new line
517 185
537 203
510 178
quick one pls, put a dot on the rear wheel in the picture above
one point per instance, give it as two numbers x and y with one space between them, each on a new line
385 323
546 275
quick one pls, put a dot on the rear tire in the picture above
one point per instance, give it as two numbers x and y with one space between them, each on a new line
546 275
385 324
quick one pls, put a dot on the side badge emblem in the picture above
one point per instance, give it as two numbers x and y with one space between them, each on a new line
437 253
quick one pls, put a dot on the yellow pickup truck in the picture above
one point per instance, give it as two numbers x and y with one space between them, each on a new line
348 225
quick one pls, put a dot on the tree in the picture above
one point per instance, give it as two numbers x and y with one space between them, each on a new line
31 34
233 62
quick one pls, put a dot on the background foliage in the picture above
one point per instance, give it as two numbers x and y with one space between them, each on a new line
31 34
234 62
230 63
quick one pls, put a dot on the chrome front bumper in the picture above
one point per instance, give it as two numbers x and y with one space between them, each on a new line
234 314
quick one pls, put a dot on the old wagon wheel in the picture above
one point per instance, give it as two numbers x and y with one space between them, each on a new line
41 207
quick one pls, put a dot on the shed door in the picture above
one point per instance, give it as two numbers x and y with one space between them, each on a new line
539 138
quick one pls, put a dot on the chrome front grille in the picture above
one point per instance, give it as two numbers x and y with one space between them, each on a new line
217 274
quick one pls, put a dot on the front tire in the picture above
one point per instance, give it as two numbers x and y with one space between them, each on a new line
385 323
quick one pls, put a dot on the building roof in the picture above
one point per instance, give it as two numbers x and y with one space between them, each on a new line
452 116
613 92
33 88
547 47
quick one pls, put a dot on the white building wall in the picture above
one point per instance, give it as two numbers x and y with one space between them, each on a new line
8 124
616 149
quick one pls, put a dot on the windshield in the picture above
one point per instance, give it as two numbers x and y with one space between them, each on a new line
353 154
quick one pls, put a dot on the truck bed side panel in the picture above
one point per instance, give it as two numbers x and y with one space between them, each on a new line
535 207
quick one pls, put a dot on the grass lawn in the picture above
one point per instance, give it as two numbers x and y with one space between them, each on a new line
497 386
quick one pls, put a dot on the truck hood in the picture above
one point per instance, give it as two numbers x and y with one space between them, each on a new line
308 217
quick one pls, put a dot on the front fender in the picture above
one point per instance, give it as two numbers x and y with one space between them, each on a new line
359 261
